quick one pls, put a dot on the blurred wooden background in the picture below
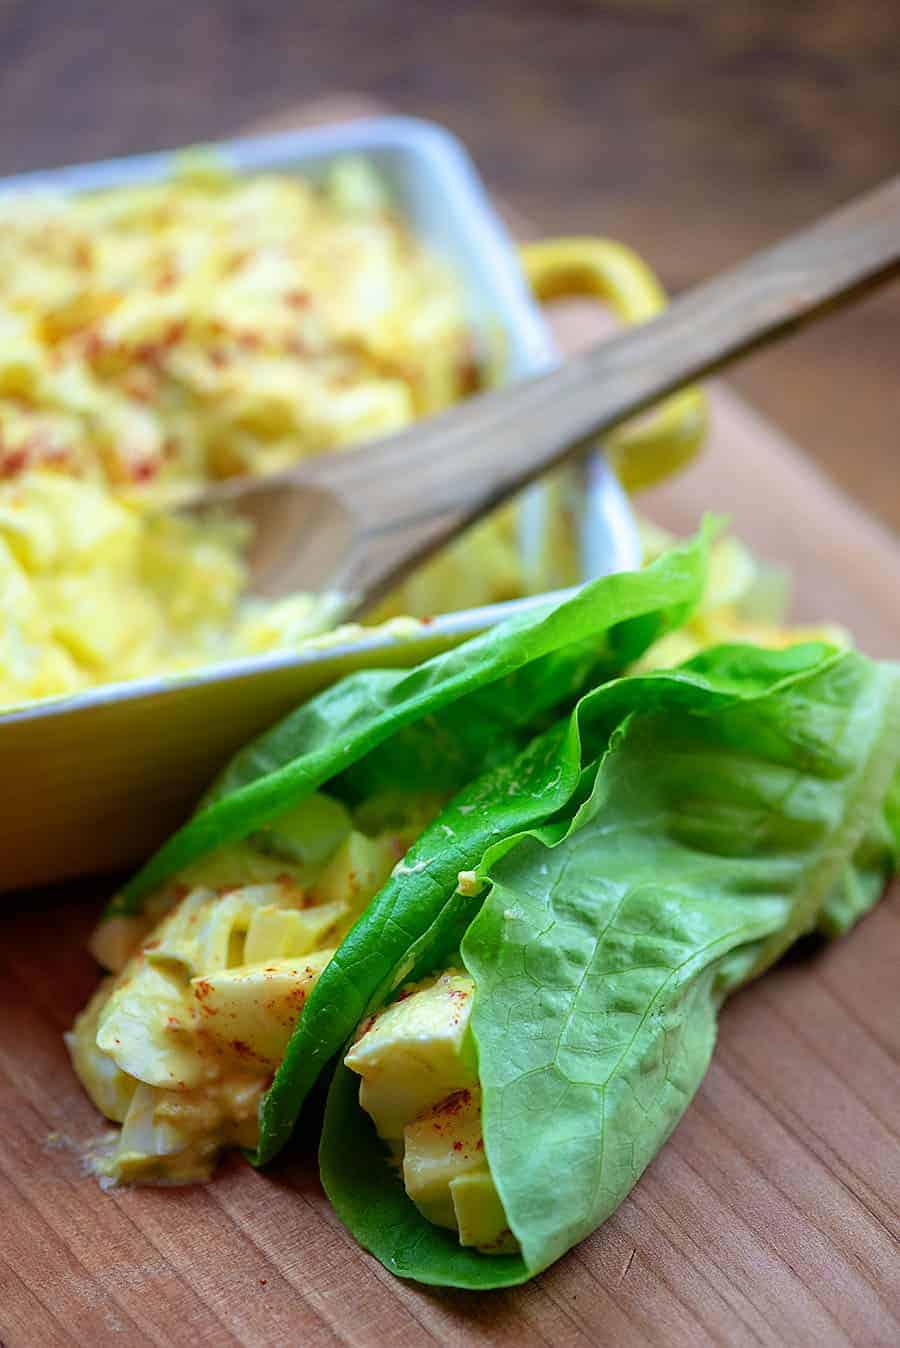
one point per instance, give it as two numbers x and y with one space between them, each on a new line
694 130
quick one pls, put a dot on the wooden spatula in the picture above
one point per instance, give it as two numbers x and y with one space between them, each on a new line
355 522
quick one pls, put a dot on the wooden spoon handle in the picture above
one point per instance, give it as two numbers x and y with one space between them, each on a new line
415 489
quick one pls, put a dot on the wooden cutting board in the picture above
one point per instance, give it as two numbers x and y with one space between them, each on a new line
772 1215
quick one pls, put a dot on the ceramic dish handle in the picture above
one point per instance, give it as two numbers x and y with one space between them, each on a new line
665 438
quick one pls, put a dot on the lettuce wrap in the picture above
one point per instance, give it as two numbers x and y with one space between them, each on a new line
726 809
240 951
533 851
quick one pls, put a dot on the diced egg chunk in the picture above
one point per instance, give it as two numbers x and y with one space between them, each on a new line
252 1010
357 870
415 1052
438 1147
420 1086
276 932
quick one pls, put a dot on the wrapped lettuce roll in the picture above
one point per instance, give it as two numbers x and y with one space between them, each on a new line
499 1108
181 1045
247 949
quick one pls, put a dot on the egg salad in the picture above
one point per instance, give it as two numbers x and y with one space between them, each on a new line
419 1085
180 1042
154 339
744 600
95 590
212 324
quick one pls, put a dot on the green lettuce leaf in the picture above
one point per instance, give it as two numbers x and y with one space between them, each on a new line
419 915
417 918
862 881
605 624
892 814
730 803
370 1200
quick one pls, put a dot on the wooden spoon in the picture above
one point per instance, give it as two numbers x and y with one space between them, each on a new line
354 522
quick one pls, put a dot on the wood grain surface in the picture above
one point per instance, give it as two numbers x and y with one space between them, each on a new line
771 1217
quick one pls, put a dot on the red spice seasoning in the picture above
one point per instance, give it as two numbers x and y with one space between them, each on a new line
144 470
13 463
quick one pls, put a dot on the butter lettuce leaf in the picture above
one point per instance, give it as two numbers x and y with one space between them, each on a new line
712 841
862 881
419 915
720 810
477 696
417 918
